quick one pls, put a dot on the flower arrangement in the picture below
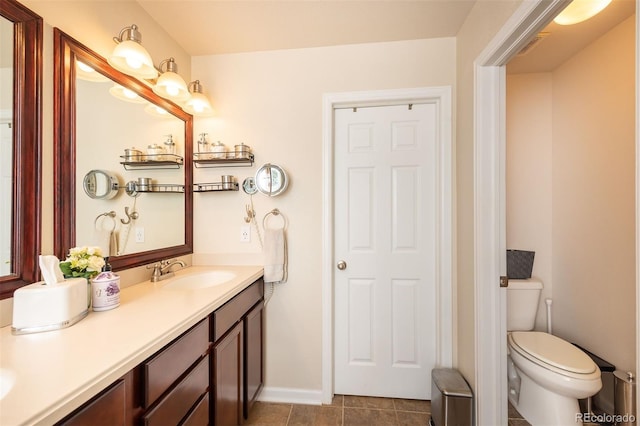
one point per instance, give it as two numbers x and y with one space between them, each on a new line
86 262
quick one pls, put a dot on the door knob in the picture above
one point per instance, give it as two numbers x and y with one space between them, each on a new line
342 265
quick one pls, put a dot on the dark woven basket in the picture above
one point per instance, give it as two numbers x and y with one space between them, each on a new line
519 264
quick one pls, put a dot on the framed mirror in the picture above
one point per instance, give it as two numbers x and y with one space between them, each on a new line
21 123
95 131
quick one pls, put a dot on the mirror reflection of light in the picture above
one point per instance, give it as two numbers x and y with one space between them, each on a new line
157 111
120 92
85 72
84 67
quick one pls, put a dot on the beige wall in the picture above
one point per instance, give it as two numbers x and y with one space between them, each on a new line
484 21
571 192
528 174
593 197
272 101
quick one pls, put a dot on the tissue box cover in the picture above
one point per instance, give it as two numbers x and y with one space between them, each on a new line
40 307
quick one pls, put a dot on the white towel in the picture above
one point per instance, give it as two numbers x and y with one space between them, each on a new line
275 255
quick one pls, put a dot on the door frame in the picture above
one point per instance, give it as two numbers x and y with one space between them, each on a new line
490 181
446 194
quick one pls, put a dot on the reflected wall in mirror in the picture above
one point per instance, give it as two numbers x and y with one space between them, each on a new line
95 129
20 149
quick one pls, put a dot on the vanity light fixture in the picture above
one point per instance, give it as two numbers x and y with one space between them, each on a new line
580 10
130 57
170 85
125 94
198 104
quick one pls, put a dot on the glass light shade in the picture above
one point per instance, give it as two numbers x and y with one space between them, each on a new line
580 10
87 73
125 94
171 86
198 105
131 58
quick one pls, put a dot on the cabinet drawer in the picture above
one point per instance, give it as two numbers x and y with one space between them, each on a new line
200 414
106 409
171 362
231 312
179 401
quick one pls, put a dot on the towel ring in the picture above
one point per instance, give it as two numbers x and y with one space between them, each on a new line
274 212
111 215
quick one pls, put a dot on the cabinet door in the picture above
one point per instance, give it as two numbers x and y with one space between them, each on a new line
253 355
227 378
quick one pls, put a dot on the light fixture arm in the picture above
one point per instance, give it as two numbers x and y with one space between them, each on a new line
195 87
129 33
170 65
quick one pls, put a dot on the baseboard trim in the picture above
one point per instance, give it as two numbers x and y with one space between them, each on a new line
291 396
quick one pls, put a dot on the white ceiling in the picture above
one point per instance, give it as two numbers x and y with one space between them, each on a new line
207 27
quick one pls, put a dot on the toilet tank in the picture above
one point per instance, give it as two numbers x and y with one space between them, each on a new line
522 304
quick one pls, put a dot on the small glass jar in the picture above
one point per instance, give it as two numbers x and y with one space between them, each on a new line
155 152
219 150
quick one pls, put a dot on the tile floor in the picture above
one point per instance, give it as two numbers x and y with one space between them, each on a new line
346 410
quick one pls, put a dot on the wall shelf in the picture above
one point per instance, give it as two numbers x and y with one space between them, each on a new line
215 186
154 161
206 159
163 188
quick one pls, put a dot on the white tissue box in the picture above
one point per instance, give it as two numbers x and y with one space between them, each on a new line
40 307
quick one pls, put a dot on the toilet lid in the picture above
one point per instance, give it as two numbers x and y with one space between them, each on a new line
553 351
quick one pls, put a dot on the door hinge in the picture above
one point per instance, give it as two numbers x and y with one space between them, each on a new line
504 281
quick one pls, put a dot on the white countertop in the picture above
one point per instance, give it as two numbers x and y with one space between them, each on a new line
56 371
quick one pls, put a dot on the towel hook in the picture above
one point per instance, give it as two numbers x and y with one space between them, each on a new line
133 215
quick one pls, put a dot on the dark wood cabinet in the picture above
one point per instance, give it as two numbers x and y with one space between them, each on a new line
210 375
227 383
237 369
253 355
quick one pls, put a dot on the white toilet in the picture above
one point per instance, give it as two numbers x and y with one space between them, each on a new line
547 375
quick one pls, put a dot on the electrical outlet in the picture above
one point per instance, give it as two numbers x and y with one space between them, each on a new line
245 234
139 234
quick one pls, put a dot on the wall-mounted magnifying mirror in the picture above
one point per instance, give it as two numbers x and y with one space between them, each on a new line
100 184
271 180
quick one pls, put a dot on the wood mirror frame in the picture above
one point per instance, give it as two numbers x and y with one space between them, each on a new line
66 51
27 146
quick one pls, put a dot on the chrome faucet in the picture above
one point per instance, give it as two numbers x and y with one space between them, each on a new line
162 270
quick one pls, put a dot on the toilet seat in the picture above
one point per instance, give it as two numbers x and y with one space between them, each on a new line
552 353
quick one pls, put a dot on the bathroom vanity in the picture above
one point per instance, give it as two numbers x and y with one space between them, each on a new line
170 354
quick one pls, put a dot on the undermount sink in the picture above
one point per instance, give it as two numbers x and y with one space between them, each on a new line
199 280
7 380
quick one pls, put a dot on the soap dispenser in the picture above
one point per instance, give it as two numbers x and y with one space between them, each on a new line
170 145
203 147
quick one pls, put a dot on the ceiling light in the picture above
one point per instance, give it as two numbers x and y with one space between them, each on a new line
198 104
130 57
580 10
125 94
170 85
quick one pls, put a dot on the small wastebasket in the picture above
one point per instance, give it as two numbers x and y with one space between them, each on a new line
625 398
451 398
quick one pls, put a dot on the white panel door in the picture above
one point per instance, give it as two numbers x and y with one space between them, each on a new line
385 231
